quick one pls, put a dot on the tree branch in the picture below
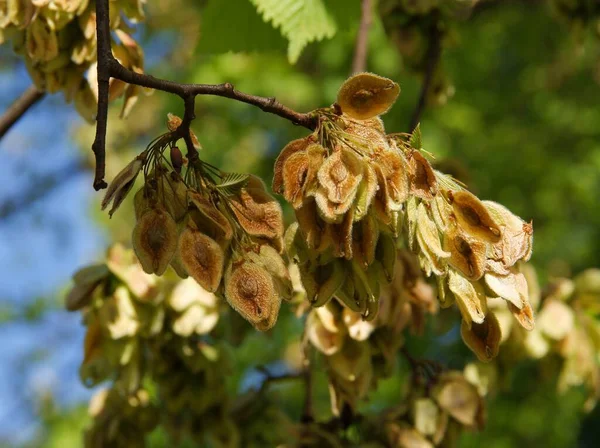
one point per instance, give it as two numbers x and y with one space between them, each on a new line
18 108
109 67
434 51
362 39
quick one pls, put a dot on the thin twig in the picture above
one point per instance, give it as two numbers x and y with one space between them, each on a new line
109 67
18 108
434 51
362 39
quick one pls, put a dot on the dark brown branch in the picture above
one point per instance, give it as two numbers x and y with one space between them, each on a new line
362 39
18 108
432 58
109 67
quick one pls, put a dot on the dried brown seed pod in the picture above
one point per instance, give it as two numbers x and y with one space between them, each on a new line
517 235
428 237
455 395
250 291
508 286
470 298
121 185
423 182
172 195
141 202
312 228
473 216
202 258
394 174
366 95
321 337
367 135
258 212
364 240
466 255
340 176
86 282
214 219
269 258
524 315
295 173
484 338
366 193
155 240
291 148
340 236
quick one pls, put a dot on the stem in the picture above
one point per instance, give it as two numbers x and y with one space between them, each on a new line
109 67
434 51
18 108
362 39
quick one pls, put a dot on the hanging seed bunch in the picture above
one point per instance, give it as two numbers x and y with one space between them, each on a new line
355 190
472 247
437 413
567 328
222 229
357 353
347 185
57 39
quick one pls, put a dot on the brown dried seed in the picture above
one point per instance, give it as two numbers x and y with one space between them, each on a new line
141 203
340 236
212 214
458 397
329 211
250 291
466 255
313 229
291 148
202 258
257 212
484 338
524 315
155 240
365 193
473 216
295 172
366 95
517 235
269 258
423 182
394 170
367 136
364 240
469 296
428 234
121 185
340 175
506 286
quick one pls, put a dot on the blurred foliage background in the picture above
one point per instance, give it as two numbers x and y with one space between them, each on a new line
516 117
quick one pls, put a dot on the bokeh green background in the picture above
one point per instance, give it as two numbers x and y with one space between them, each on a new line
522 129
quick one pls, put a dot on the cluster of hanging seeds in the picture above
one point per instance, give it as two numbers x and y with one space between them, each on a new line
356 190
222 229
347 184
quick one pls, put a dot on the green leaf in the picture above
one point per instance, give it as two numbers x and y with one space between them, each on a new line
415 138
300 21
232 183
